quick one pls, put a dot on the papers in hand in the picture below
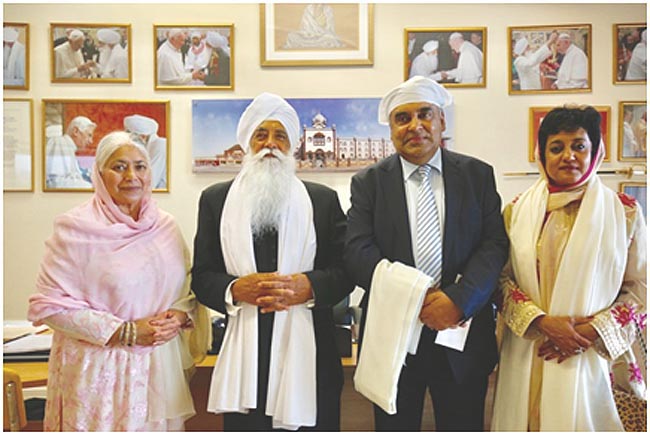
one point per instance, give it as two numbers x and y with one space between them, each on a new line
454 338
29 343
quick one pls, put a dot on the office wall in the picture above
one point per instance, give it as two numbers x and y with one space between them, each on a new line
490 124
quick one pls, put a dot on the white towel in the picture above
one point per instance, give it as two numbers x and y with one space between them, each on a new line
392 329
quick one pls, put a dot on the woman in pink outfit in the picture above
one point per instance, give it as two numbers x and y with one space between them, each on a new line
113 285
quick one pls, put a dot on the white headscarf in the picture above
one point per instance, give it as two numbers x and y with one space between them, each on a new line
267 106
520 46
416 89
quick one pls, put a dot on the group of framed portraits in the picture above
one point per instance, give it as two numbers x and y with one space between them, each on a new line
541 59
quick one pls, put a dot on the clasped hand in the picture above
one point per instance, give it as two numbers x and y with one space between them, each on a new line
272 291
566 336
439 312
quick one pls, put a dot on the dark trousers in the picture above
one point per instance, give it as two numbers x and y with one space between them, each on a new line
457 406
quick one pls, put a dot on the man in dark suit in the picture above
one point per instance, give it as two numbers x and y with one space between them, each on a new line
269 246
382 224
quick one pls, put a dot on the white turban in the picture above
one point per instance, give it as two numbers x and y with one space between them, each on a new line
108 36
216 40
267 106
140 124
430 46
111 142
9 34
521 46
76 34
417 89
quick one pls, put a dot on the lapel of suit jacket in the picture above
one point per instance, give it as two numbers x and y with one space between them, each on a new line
392 183
454 188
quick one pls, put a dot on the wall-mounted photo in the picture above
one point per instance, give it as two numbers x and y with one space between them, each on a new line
454 57
98 53
638 191
316 34
194 57
18 145
72 130
545 59
338 134
630 53
536 116
15 66
632 119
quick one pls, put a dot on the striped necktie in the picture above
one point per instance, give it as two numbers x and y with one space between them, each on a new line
429 240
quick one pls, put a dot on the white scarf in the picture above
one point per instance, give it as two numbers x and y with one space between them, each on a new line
575 394
291 397
397 293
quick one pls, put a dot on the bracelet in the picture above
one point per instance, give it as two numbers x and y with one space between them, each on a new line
134 334
122 331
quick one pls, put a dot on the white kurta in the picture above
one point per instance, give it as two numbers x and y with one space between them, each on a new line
424 65
117 66
470 65
67 61
573 70
157 149
630 145
637 68
199 60
528 68
61 165
14 64
170 66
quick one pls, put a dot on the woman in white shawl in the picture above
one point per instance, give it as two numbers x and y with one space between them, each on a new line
573 291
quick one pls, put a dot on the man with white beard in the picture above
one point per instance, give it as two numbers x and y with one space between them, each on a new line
268 252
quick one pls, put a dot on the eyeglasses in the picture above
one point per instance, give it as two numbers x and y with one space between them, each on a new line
425 114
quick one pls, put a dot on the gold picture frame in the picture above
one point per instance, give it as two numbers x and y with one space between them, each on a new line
18 144
104 54
536 115
16 69
535 65
64 130
303 34
639 191
440 48
626 40
632 141
208 65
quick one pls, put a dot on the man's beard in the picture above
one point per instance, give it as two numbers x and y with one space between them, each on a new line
266 184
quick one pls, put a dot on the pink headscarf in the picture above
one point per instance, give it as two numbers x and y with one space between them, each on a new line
102 259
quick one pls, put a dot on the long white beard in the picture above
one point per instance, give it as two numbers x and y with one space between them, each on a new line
266 183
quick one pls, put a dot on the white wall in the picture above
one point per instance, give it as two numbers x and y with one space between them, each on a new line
490 124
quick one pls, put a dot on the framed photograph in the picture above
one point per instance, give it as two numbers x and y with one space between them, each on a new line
632 117
316 34
16 61
338 134
72 130
536 116
548 59
454 57
630 53
638 191
18 145
97 53
194 57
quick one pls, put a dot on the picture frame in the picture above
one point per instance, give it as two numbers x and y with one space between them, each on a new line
90 53
338 134
440 60
536 59
290 34
629 56
18 144
632 140
536 115
206 60
70 140
16 69
637 190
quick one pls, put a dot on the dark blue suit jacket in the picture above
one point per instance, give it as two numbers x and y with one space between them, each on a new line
475 243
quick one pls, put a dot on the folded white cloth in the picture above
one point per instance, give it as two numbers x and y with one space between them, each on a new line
393 328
